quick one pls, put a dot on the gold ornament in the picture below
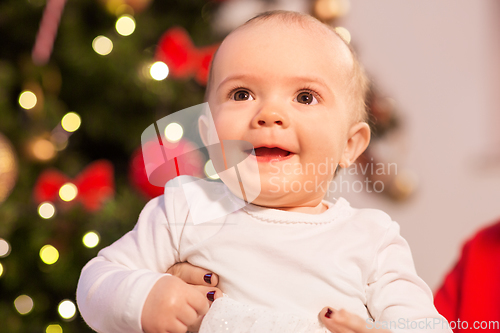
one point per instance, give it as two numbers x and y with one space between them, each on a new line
8 168
327 10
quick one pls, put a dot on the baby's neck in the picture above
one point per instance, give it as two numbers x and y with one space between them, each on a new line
320 208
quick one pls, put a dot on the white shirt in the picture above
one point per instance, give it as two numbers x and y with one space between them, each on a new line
347 258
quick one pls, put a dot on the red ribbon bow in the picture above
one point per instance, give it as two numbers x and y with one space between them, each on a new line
95 184
183 58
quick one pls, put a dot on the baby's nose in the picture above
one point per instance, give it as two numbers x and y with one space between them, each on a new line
268 118
277 122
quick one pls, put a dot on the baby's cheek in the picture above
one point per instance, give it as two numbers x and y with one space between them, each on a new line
226 127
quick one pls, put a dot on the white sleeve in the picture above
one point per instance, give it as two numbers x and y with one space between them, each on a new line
398 299
114 285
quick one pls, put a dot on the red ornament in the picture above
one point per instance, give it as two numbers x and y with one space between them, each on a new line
95 184
183 59
188 164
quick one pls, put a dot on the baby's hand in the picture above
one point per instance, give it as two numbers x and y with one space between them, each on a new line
173 305
341 321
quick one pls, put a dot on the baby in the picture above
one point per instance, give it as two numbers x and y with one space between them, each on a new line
292 88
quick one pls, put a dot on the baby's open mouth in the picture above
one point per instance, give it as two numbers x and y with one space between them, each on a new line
266 154
275 151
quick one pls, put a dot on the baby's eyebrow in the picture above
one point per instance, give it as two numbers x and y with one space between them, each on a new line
232 78
302 79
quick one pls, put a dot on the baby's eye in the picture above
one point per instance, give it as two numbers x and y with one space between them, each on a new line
242 95
306 97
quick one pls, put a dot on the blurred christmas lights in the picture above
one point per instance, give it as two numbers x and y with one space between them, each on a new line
68 192
67 309
4 248
54 328
23 304
49 254
330 9
173 132
42 149
1 269
125 25
71 121
404 184
46 210
121 8
159 71
344 34
91 239
27 100
59 138
210 170
102 45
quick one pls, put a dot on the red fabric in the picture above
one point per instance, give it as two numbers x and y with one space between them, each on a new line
471 291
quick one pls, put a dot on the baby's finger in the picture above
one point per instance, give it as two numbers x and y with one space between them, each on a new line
193 274
211 293
188 317
197 300
177 327
195 327
167 323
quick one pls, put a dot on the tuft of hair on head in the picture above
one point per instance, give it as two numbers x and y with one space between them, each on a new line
286 16
359 84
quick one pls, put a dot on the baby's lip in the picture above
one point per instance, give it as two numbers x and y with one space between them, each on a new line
270 154
269 150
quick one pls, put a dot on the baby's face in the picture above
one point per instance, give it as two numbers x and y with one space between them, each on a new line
284 89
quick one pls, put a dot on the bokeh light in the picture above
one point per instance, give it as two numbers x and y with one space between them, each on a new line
49 254
125 25
344 34
102 45
91 239
159 70
4 248
71 121
330 9
1 269
405 183
60 139
174 132
43 149
210 170
54 328
27 100
68 192
23 304
46 210
67 309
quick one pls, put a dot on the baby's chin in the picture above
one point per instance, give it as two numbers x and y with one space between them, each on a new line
281 200
275 191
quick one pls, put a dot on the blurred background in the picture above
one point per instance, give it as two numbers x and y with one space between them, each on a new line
80 81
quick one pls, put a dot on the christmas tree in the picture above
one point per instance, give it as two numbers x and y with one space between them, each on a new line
70 127
79 82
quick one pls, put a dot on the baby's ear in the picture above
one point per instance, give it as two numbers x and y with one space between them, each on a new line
358 140
203 128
